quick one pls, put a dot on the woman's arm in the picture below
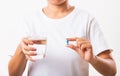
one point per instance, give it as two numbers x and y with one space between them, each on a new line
23 53
104 63
17 63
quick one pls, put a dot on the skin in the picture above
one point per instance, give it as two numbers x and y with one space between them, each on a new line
57 9
102 62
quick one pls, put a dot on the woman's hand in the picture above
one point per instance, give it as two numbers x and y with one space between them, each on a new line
83 47
27 50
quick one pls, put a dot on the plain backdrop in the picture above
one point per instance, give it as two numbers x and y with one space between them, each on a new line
107 13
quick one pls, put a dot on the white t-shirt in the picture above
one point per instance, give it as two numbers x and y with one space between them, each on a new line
61 60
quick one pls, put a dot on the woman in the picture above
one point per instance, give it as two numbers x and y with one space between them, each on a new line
62 22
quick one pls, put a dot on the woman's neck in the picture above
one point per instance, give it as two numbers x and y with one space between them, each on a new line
57 11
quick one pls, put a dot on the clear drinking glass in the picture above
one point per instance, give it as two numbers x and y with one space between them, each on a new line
40 43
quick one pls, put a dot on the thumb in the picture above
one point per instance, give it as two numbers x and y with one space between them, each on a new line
72 46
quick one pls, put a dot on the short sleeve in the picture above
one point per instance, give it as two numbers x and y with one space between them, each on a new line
96 37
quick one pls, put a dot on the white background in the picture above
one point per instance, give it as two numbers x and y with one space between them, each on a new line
107 12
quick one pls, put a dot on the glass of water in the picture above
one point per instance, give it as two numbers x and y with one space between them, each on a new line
40 43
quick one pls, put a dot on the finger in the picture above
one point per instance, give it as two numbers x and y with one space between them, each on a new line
27 41
76 49
81 39
85 47
72 46
29 48
26 47
79 43
30 53
83 50
30 58
81 53
72 39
